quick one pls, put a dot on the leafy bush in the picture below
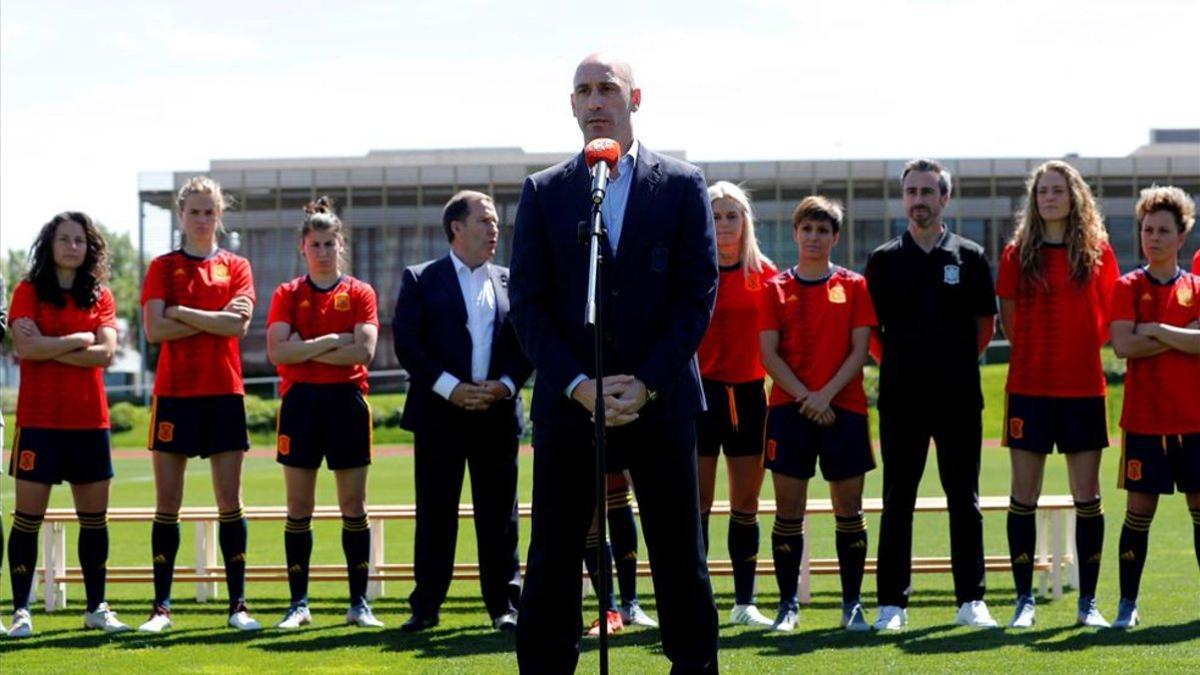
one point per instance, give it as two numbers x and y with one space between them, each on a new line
871 384
124 416
260 414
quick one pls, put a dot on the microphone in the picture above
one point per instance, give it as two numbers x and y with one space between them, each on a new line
601 156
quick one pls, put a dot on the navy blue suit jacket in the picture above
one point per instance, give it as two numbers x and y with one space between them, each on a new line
659 288
431 337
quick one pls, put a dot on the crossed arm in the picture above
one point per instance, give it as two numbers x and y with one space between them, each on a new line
164 324
335 349
83 349
1141 340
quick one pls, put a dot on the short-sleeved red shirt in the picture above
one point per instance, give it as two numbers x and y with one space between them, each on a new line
56 395
1059 325
815 320
313 312
1162 393
203 364
729 352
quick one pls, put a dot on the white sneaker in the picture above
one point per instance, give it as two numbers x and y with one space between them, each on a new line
975 614
1127 615
1024 614
360 615
240 619
632 614
22 624
789 615
105 619
854 619
160 620
748 615
891 617
1089 615
296 616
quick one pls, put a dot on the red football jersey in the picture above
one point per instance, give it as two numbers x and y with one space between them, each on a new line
1162 393
203 364
1059 325
55 395
729 352
1196 262
815 320
313 312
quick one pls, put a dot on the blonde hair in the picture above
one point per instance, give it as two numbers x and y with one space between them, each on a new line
202 185
1084 236
1168 198
749 254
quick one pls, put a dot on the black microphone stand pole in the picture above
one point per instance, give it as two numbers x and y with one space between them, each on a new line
594 317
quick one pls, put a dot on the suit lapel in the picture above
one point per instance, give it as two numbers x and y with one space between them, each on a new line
448 282
500 286
647 175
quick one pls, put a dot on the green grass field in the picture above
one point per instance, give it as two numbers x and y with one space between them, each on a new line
1168 641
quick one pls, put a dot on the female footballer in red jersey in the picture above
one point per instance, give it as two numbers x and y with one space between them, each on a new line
197 302
64 332
732 374
1055 286
321 334
815 325
1156 325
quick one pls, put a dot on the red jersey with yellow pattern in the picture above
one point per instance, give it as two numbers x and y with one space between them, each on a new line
815 320
1162 393
729 352
1059 324
313 312
203 364
56 395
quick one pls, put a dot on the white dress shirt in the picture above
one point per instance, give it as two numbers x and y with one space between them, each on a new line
480 298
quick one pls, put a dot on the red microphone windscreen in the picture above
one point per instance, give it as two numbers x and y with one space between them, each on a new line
602 150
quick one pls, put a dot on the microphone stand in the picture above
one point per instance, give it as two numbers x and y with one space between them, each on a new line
594 317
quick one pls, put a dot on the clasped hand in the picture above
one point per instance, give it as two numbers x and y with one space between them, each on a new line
815 406
478 395
624 396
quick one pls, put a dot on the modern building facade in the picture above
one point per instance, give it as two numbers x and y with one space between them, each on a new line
391 202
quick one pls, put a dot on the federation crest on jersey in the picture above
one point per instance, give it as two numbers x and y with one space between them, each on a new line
753 282
950 275
837 294
220 271
341 302
1183 294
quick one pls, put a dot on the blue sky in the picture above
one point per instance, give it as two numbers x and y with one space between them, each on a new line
90 95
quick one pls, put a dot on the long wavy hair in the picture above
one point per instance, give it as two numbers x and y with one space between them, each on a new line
749 254
90 276
1085 234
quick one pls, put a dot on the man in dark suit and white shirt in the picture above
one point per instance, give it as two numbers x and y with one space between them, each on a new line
660 284
454 337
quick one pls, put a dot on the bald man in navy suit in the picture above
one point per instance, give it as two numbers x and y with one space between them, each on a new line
660 285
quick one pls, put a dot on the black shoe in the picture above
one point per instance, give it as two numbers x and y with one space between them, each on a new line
506 622
418 622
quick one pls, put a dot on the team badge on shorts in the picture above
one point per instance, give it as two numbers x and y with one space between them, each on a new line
1016 428
341 302
165 432
771 449
284 444
1184 296
950 275
1133 469
837 294
26 461
220 271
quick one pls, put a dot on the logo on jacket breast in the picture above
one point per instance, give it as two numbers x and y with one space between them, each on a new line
341 302
950 275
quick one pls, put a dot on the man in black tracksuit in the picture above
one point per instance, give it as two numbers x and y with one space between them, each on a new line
936 306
